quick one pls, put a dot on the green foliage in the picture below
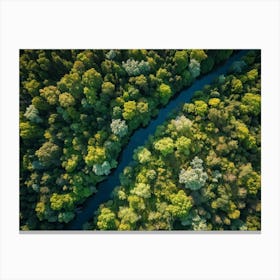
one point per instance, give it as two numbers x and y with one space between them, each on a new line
29 131
61 201
163 74
142 190
92 79
106 220
238 66
70 83
66 100
242 131
198 55
249 179
129 110
142 154
183 145
39 103
71 163
165 146
108 88
180 205
65 217
32 87
181 60
200 107
119 127
165 93
251 104
51 94
194 177
135 68
78 109
201 169
95 155
31 114
214 102
236 86
194 68
252 75
102 169
128 218
48 153
182 124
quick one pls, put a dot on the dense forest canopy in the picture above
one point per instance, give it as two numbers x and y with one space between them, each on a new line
78 110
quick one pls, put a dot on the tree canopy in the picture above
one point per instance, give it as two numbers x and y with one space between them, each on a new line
78 110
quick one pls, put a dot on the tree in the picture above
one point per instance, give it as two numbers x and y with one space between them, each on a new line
181 60
51 94
61 201
214 102
92 79
65 217
71 83
221 55
119 127
32 87
165 146
249 179
194 177
242 131
128 218
141 82
102 169
91 97
182 124
252 75
136 203
253 223
31 114
183 145
66 100
194 68
106 220
71 163
165 93
86 57
111 54
29 131
163 74
251 103
207 64
238 66
200 108
198 55
142 190
236 85
180 205
142 154
135 68
40 104
40 210
129 111
78 67
48 154
95 155
108 88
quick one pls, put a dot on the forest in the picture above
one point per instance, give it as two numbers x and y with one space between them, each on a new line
200 170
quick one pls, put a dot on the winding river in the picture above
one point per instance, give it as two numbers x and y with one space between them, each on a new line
139 138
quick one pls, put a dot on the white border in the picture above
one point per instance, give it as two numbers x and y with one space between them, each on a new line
146 24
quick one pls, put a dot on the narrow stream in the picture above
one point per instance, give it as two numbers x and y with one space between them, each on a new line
138 138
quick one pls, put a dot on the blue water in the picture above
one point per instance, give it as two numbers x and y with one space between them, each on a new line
138 138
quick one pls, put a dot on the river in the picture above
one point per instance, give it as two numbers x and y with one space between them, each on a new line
139 138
